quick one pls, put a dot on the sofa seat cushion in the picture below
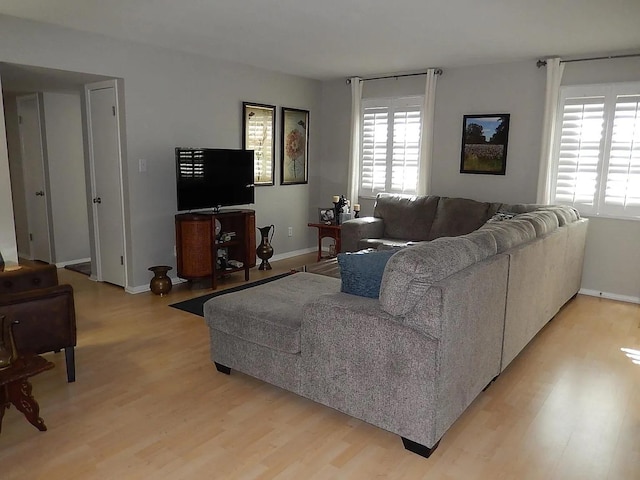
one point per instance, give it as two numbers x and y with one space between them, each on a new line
459 216
412 271
406 217
269 314
378 243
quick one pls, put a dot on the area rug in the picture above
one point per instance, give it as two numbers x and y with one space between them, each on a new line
195 305
84 268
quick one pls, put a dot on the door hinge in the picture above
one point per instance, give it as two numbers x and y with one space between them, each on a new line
31 237
113 110
121 260
20 119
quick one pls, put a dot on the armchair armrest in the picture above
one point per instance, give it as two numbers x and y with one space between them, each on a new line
356 229
359 360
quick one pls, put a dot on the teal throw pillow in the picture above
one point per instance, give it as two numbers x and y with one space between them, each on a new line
361 272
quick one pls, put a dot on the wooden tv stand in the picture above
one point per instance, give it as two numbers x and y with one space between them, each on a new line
199 245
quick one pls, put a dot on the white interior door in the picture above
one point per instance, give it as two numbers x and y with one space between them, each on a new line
106 173
36 193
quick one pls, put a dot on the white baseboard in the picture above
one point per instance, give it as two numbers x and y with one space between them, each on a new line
176 280
147 288
72 262
610 296
295 253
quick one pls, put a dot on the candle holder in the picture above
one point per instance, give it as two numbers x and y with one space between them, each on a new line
337 206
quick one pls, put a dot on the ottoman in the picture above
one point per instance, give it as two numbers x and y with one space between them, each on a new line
257 330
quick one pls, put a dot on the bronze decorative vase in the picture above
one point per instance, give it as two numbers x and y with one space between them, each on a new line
265 250
160 283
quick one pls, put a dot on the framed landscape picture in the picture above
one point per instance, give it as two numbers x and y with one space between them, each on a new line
258 123
484 144
294 151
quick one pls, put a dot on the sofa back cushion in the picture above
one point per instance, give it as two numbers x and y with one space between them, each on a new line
405 217
459 216
410 272
510 233
543 221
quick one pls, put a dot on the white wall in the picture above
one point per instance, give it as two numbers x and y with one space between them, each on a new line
611 263
65 156
514 88
173 99
8 246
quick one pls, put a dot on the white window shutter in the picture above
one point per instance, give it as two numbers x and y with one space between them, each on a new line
406 150
622 192
375 126
580 151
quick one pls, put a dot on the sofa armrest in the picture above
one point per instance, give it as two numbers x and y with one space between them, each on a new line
46 318
359 360
356 229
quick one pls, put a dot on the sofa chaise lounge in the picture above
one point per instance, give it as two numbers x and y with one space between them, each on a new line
455 306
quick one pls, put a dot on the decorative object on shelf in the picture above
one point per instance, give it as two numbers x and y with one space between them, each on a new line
258 123
8 353
265 250
356 210
160 283
326 215
484 144
294 151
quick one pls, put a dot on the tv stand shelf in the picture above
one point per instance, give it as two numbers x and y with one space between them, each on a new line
198 248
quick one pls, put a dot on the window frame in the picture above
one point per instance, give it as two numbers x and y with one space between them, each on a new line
610 93
393 105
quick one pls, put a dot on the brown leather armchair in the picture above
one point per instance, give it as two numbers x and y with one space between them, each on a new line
43 309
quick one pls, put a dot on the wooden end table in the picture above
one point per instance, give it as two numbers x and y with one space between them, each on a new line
327 231
15 388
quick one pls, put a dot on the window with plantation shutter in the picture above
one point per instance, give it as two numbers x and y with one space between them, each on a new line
390 149
597 152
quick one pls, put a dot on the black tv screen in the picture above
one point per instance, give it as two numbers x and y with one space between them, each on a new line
213 177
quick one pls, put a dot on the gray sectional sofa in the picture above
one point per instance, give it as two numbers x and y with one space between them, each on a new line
455 307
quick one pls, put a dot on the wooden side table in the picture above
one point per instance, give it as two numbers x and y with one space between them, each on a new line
15 388
327 231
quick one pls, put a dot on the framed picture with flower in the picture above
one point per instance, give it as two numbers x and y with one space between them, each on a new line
258 134
294 151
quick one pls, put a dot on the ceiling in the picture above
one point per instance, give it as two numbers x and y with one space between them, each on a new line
326 39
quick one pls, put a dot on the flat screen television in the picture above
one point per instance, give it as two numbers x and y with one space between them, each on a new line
213 178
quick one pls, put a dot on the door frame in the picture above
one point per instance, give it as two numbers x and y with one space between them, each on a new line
42 164
97 274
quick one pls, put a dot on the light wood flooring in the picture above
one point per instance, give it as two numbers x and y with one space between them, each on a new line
148 404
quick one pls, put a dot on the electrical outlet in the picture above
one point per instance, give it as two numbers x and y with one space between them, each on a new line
291 231
142 165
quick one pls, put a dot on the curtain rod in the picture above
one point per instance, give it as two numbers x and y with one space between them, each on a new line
543 63
438 72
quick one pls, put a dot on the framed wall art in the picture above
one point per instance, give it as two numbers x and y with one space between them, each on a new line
326 215
294 151
258 122
484 144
